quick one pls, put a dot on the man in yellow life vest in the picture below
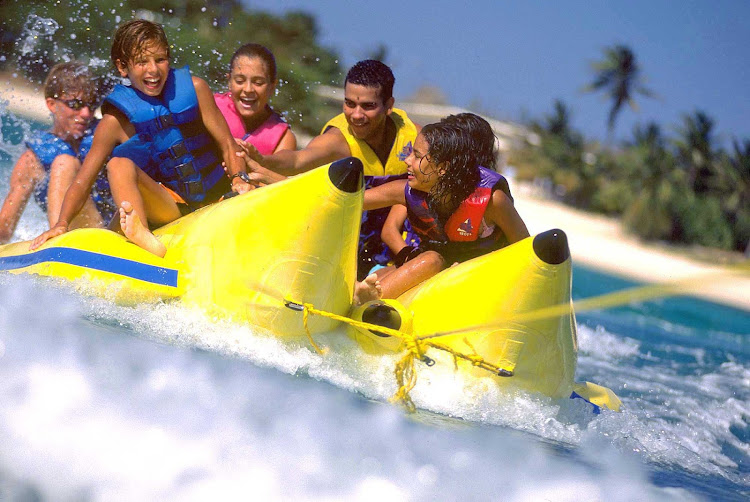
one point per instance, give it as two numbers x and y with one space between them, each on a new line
369 128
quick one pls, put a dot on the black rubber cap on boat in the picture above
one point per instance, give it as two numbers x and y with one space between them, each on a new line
552 246
382 315
347 174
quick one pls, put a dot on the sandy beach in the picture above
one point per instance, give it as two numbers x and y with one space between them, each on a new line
601 243
595 241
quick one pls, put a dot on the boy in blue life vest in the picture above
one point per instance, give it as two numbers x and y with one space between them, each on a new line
167 139
47 168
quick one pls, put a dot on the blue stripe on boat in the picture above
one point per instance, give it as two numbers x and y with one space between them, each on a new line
597 410
128 268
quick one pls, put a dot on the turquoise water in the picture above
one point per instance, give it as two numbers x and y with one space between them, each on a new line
99 401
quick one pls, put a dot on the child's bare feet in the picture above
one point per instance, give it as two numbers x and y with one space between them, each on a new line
367 290
137 232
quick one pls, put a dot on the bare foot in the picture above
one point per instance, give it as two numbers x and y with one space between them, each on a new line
367 290
137 232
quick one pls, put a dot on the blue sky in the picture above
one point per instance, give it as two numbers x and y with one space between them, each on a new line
516 58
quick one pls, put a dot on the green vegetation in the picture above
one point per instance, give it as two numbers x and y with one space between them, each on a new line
35 34
684 189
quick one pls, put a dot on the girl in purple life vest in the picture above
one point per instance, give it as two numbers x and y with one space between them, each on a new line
458 208
252 81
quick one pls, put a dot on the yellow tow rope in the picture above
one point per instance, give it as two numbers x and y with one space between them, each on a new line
406 376
415 346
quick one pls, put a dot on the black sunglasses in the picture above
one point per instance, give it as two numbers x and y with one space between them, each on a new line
77 104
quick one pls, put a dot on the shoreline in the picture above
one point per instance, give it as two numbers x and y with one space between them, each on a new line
601 243
596 241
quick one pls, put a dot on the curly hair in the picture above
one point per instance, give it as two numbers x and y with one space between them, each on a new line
459 144
448 149
482 137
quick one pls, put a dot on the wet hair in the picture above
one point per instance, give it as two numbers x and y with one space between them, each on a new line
372 73
71 78
482 137
453 149
132 38
256 51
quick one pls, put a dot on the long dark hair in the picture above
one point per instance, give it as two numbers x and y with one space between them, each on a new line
453 148
483 140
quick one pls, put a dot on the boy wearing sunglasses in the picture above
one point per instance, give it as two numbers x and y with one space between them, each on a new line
52 159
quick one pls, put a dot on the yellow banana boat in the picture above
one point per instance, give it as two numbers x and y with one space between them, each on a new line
267 256
508 312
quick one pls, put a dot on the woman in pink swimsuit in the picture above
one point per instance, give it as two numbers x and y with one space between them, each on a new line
252 81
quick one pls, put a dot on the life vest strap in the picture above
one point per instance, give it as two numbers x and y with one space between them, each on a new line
190 168
184 147
161 122
198 187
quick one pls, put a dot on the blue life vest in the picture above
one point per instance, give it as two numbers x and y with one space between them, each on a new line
47 147
458 237
171 143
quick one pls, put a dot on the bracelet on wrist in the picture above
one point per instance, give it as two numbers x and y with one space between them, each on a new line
241 175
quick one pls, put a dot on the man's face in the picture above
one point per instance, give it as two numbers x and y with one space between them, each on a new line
365 110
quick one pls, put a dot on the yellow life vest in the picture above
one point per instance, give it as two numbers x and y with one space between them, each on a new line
406 133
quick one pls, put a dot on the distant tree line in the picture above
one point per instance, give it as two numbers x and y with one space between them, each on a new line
683 189
36 34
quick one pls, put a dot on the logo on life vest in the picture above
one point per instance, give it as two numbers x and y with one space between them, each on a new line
466 227
405 151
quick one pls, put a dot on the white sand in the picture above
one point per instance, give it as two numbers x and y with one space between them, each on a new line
601 243
595 241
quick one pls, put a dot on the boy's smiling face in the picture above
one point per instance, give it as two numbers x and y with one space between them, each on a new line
147 70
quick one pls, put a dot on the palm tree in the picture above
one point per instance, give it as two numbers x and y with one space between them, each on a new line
619 75
558 124
696 152
738 203
656 185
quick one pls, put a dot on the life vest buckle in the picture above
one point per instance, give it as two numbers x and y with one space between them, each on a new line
185 170
178 150
165 121
193 188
